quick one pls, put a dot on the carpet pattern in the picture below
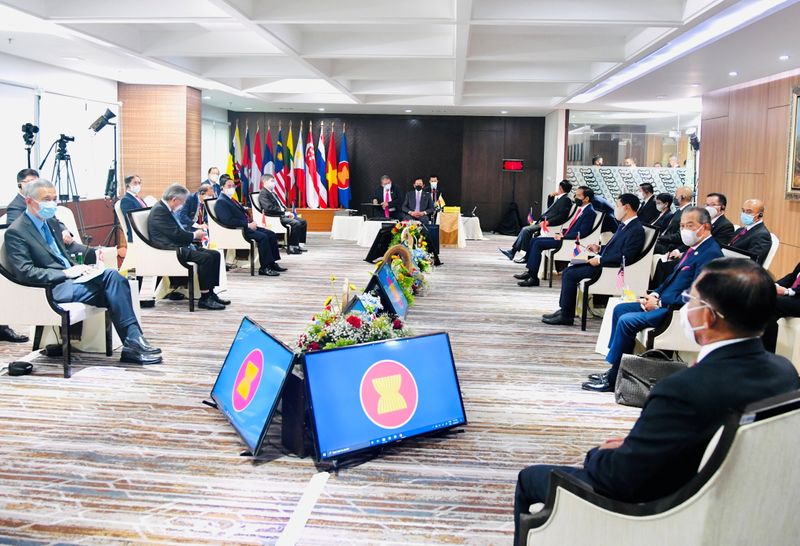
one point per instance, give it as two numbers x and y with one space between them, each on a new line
122 454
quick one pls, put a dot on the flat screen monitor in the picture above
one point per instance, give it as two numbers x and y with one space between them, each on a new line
250 382
354 304
513 165
367 396
392 297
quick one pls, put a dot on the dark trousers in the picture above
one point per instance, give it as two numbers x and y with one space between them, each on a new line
525 235
110 290
785 306
535 252
207 266
532 486
267 243
570 278
629 320
297 230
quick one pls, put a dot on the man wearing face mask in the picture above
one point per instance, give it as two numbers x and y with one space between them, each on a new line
670 239
726 310
271 205
647 212
626 244
581 224
131 200
436 193
213 181
418 204
754 237
33 252
650 311
388 197
193 212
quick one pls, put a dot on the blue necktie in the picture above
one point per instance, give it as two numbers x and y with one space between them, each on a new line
51 242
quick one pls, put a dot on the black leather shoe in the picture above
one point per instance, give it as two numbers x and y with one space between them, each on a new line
139 344
523 276
217 299
7 334
553 314
136 357
276 267
559 320
598 377
530 281
603 386
175 296
210 304
268 273
522 260
436 261
507 253
294 250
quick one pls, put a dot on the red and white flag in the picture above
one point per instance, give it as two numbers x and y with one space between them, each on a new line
312 188
299 166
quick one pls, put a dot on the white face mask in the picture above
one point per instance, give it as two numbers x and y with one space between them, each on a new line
713 212
271 185
688 329
619 213
689 237
214 178
387 187
230 192
640 195
135 189
434 185
661 207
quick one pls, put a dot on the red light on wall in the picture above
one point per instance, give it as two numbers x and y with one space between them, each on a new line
513 165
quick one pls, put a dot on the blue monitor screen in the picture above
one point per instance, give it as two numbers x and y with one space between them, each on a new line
355 304
392 290
366 396
250 382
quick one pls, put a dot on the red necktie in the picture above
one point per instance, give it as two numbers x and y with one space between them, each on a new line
574 219
738 236
685 257
796 283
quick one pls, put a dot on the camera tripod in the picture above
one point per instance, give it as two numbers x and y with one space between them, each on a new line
66 187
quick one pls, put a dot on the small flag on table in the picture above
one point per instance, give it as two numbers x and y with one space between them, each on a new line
530 216
544 226
577 250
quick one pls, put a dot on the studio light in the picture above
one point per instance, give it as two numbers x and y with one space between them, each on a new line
102 121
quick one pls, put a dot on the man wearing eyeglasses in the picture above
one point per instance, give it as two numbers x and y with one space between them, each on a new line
650 311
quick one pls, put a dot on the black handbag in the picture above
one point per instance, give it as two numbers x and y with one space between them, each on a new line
638 374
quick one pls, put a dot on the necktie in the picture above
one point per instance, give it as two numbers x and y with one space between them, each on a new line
279 202
386 198
619 230
739 234
51 242
201 213
796 283
574 219
685 257
419 193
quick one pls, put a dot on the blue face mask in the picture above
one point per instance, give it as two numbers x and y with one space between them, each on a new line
47 209
747 219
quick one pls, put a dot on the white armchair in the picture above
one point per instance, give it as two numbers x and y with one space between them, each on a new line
788 344
773 249
35 306
637 276
565 253
228 238
743 493
271 223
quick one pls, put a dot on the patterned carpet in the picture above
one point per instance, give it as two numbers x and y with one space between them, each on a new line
129 455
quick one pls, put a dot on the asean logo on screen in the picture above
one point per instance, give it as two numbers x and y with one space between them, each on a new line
389 394
248 379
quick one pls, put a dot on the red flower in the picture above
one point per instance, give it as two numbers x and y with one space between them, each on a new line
397 324
314 346
354 321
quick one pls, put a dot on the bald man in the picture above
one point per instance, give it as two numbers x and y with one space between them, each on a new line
671 238
753 237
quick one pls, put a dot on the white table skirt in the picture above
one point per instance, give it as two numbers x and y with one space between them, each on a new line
471 226
347 228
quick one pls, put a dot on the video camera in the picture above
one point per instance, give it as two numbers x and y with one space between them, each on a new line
28 132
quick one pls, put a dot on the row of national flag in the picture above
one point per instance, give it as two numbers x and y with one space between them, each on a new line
306 176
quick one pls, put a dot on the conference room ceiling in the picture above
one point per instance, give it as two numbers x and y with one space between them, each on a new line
473 57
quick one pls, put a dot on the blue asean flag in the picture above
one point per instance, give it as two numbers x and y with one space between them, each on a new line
343 174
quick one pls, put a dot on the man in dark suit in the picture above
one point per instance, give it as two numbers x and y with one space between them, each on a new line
581 225
131 200
664 208
559 206
786 305
34 252
418 204
626 244
232 214
213 181
754 237
271 206
193 211
388 197
727 308
650 311
647 211
166 232
670 238
721 228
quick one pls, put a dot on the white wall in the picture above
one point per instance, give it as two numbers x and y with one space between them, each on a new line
215 140
58 101
555 137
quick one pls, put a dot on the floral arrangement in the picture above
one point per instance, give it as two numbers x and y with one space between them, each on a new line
411 234
412 283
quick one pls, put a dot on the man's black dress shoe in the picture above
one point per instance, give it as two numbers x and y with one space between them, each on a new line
602 386
136 357
507 253
210 304
523 276
294 250
556 313
7 334
559 320
217 299
276 267
530 281
522 260
139 344
598 377
436 261
268 272
175 296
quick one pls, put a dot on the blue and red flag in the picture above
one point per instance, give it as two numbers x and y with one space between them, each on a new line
343 173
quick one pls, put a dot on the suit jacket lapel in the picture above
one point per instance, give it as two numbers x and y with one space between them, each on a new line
36 235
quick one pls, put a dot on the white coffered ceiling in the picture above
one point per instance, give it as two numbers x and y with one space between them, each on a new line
524 57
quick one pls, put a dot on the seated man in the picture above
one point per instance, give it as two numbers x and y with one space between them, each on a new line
213 181
647 211
650 311
33 252
754 237
418 204
166 232
664 208
559 206
193 212
232 214
726 310
786 305
271 205
581 224
626 244
388 197
670 238
131 201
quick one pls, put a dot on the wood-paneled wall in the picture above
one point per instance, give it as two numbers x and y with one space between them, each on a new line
160 138
465 153
744 150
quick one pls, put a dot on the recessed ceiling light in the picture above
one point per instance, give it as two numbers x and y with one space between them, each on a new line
248 107
408 110
72 58
321 109
783 58
207 97
661 97
695 85
504 111
733 73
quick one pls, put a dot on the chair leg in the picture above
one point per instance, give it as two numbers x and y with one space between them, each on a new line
192 272
252 259
65 345
109 342
552 269
37 337
584 308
